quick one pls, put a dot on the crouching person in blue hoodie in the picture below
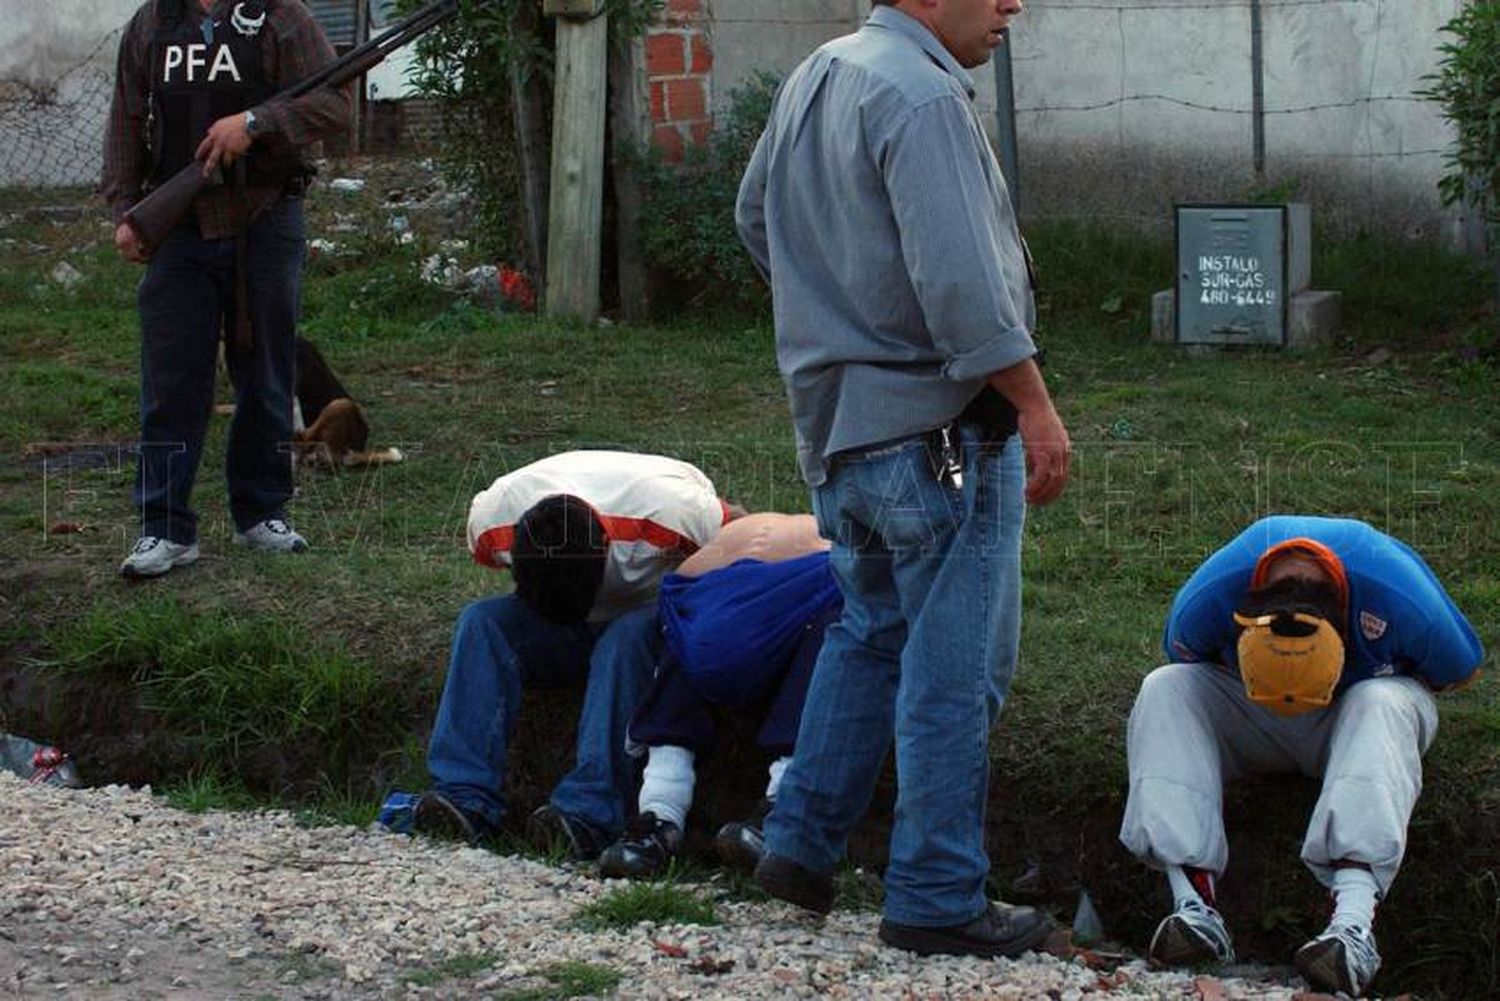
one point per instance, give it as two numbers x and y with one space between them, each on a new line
743 621
1306 645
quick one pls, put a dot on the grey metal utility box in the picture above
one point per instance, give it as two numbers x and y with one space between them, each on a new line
1238 267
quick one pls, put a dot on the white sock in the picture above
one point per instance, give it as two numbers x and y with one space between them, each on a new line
1183 891
667 785
777 770
1355 894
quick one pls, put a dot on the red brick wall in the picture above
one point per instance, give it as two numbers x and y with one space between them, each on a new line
678 61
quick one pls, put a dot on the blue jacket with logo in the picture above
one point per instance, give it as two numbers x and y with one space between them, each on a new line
1400 620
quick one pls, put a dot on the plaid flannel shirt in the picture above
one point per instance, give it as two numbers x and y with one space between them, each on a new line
293 47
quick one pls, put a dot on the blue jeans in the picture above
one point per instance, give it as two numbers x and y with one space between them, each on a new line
186 300
501 645
925 652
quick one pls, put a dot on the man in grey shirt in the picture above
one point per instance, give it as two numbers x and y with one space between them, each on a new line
903 308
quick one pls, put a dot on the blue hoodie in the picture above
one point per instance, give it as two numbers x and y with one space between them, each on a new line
1400 620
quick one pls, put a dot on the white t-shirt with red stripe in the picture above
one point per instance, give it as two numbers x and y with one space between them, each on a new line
656 511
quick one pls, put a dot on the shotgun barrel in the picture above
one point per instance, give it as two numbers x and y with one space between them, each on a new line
153 216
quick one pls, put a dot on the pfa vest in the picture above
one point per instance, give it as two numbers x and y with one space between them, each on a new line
201 72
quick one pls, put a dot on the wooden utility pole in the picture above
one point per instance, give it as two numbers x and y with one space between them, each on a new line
630 122
576 213
533 147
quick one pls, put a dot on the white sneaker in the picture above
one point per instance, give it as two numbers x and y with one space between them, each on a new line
273 536
154 556
1343 958
1194 933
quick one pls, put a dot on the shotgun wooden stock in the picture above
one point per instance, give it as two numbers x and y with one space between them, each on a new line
153 216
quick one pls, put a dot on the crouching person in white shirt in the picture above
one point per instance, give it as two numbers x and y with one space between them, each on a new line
587 537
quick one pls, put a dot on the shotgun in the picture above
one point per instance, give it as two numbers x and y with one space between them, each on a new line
153 216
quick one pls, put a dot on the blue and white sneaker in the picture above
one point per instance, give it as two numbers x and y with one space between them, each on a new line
1194 933
1343 958
273 535
154 556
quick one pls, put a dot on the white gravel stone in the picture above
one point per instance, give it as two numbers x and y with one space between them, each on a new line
112 894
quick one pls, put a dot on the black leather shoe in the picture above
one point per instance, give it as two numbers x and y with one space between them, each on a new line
1002 930
741 843
644 852
795 883
549 829
437 816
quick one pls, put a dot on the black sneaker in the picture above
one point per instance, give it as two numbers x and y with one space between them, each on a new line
437 816
645 850
795 883
741 843
549 829
1002 930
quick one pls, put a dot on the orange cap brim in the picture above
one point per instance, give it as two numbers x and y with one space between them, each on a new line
1314 550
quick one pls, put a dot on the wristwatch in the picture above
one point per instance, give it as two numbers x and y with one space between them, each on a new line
251 126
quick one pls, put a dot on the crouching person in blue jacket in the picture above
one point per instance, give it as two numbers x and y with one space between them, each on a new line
1309 645
743 621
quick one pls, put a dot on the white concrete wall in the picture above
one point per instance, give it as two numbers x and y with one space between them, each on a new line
1125 106
56 69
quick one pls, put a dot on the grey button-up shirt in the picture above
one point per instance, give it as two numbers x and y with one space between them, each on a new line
874 206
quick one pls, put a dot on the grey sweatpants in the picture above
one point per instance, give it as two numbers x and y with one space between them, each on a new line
1193 728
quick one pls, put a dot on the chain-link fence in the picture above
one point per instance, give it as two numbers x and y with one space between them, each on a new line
53 130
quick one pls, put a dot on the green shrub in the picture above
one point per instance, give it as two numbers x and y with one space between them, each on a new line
481 67
1467 85
687 230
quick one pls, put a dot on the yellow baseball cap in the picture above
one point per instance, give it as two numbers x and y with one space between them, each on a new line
1290 661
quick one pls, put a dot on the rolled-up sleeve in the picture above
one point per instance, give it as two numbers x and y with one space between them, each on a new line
963 258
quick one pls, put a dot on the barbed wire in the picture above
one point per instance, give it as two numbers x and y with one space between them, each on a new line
54 128
851 21
1199 106
1196 5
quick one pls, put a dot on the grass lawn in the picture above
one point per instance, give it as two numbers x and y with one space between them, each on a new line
312 680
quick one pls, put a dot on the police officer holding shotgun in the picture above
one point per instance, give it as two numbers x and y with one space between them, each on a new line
195 82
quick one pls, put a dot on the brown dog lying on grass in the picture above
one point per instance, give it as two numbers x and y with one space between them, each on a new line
332 429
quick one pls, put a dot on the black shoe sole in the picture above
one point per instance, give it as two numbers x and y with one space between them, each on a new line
945 942
614 865
1177 944
734 851
550 832
1322 966
796 884
441 819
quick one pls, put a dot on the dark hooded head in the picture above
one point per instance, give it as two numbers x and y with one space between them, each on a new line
558 558
1318 598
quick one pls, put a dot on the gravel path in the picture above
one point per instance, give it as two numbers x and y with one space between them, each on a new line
110 893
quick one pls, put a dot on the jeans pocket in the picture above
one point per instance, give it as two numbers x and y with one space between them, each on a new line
905 502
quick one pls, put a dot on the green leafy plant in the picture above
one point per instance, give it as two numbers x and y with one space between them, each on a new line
687 230
490 70
1467 85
